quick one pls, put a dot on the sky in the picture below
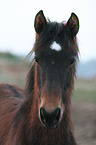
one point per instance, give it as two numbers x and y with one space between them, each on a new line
17 33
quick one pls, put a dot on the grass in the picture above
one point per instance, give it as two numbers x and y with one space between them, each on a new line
84 90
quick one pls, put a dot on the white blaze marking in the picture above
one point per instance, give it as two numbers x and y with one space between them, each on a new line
55 46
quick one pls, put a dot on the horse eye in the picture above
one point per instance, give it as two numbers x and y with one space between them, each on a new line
71 61
36 59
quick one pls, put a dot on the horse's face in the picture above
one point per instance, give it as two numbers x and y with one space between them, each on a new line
55 65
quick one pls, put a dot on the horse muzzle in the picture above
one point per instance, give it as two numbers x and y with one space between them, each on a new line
50 119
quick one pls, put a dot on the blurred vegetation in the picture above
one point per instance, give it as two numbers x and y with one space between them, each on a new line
9 59
7 55
84 90
13 69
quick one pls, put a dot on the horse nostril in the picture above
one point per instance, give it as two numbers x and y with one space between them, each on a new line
50 119
42 111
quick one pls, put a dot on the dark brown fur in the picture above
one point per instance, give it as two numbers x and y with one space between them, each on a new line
19 120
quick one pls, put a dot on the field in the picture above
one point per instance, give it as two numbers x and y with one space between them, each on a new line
14 70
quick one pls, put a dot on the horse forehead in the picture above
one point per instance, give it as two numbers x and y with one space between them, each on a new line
55 46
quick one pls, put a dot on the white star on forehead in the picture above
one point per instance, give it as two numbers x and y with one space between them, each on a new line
55 46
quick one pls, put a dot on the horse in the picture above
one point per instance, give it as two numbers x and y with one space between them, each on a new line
40 113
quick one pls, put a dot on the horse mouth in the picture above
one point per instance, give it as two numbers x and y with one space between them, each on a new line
50 126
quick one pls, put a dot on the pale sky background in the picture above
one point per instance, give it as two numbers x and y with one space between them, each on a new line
17 33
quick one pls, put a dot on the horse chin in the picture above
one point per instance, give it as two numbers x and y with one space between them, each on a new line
50 126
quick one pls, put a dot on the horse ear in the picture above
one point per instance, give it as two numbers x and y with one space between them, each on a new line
40 22
73 24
